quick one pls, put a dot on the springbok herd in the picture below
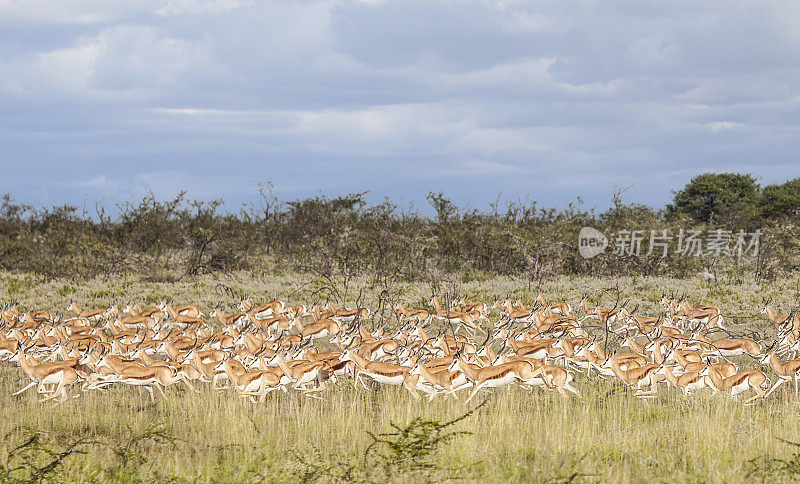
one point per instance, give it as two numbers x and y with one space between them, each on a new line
273 346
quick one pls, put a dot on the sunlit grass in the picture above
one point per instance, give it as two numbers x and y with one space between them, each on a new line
607 435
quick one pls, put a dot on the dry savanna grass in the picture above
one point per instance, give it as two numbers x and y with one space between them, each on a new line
216 436
607 435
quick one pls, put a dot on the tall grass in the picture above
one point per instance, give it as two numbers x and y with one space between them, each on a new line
606 435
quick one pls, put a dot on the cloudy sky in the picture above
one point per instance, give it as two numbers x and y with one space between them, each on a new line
549 99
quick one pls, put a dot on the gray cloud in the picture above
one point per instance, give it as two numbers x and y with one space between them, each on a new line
472 98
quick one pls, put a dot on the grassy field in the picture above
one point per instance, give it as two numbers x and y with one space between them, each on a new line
738 299
606 435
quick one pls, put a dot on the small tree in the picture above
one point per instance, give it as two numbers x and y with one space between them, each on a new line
781 200
717 197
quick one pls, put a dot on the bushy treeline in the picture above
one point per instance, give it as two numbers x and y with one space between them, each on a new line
735 199
344 237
